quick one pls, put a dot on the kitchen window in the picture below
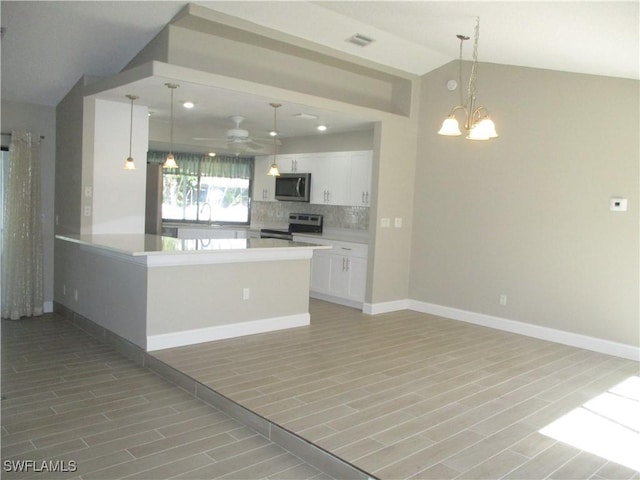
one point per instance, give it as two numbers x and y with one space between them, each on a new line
206 189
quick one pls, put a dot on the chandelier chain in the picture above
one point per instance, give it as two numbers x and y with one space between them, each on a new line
474 65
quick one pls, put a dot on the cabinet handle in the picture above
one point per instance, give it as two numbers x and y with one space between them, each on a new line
343 259
362 197
367 198
346 248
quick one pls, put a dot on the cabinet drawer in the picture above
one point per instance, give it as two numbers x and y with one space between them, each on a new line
351 249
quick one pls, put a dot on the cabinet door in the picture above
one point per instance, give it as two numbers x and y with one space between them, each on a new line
360 175
357 273
339 278
285 163
329 178
263 184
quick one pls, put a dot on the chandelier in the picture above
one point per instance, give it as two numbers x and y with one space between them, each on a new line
477 121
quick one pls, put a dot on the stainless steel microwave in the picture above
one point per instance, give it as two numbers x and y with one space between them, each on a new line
293 187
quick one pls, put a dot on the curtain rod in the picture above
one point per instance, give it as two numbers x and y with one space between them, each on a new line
8 134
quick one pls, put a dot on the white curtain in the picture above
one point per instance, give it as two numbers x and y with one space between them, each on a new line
22 246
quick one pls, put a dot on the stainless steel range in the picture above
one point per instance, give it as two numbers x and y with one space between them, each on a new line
298 223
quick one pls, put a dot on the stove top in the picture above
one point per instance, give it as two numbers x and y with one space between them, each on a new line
298 223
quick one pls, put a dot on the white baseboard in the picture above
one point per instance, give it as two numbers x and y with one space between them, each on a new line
340 301
385 307
544 333
201 335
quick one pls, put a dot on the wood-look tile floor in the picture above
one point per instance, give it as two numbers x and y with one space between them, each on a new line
409 395
72 403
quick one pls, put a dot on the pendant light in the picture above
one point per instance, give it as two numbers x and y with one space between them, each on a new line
477 121
129 164
170 162
273 171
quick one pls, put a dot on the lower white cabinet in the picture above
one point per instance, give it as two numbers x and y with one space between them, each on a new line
340 274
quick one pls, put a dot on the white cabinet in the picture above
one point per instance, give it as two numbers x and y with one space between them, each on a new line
294 163
337 178
263 185
360 178
329 178
339 275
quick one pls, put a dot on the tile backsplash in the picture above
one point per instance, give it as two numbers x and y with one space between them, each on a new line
268 213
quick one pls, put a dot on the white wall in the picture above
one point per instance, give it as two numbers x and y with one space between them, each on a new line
40 120
118 195
527 214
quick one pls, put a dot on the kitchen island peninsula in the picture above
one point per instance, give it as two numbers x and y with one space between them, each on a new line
160 292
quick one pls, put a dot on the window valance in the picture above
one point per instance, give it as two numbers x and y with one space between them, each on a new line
227 166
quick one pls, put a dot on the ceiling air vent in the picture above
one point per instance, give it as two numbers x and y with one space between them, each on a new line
360 40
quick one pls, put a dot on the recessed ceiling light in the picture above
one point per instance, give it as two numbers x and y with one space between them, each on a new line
273 133
188 105
212 154
360 40
322 128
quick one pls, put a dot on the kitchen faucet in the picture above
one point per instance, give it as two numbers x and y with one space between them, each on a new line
206 204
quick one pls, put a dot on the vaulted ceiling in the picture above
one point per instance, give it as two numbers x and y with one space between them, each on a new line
47 46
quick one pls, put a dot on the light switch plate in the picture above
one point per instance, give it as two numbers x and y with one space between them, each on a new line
385 222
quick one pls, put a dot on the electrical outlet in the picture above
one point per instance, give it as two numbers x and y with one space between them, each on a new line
397 222
75 294
503 300
385 222
87 211
64 289
245 293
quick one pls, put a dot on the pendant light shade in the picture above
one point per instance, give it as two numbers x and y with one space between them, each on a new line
450 127
273 170
170 162
129 164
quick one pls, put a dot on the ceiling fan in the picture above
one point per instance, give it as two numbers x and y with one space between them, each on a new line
238 139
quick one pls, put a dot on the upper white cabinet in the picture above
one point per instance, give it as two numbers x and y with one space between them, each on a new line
337 178
330 179
263 185
295 163
360 175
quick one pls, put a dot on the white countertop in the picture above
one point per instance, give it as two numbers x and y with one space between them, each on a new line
155 250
